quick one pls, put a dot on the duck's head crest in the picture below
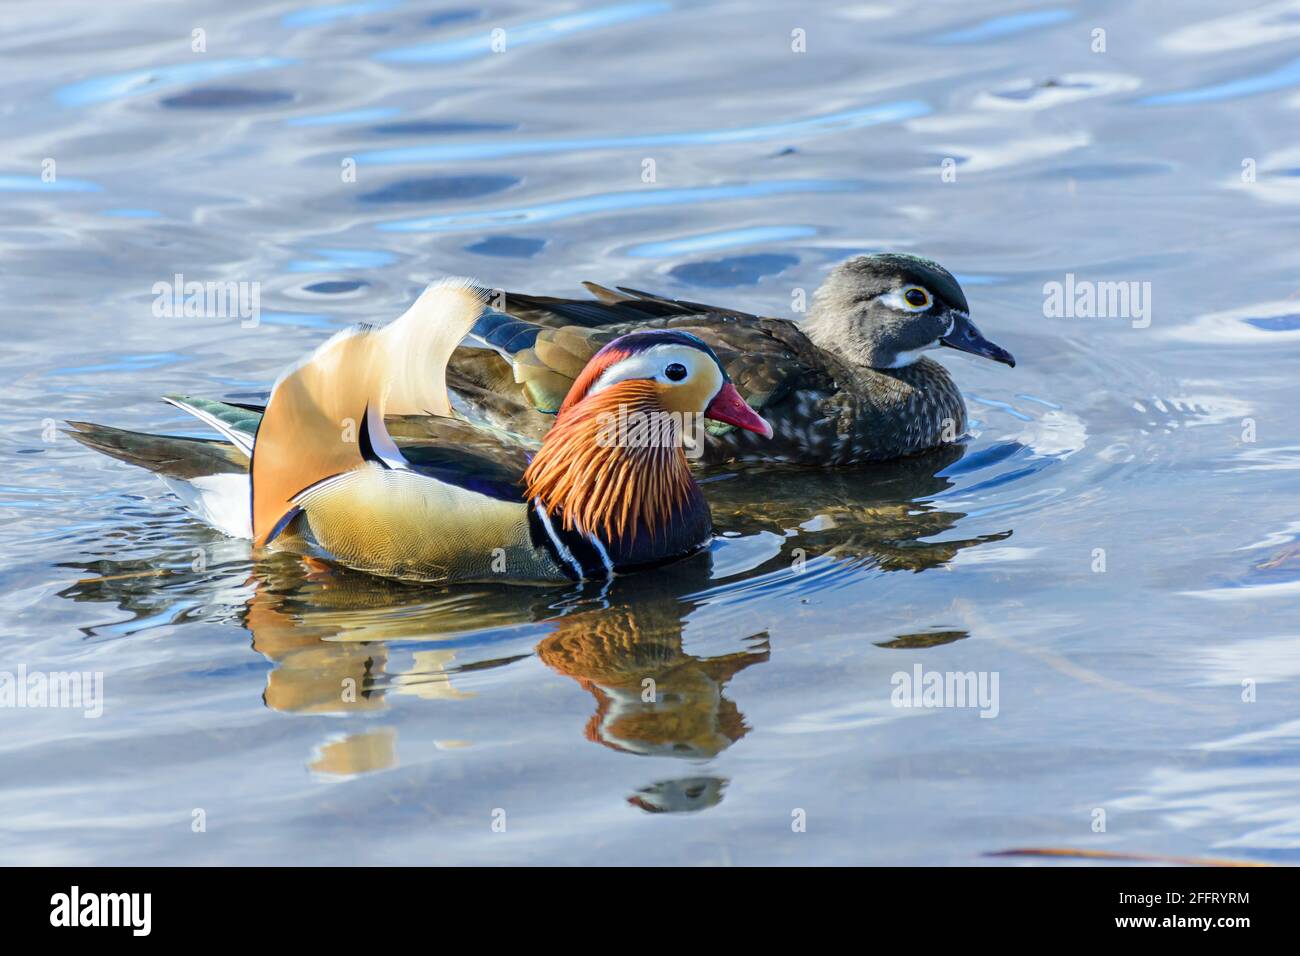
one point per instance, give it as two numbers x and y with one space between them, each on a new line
685 374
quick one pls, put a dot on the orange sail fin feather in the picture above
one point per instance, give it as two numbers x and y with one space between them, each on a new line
315 420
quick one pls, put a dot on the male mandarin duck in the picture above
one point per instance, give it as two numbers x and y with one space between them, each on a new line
319 472
848 384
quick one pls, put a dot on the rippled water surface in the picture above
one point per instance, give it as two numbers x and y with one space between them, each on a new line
1117 542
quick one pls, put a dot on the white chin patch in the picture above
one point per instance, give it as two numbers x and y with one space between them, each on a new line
904 359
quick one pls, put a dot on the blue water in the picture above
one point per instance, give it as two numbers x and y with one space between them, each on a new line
1117 542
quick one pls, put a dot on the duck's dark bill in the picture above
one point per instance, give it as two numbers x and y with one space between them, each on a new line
728 407
966 338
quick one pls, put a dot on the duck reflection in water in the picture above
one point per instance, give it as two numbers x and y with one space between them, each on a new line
652 697
685 795
332 634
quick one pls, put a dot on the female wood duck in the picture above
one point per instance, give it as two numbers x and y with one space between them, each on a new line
322 475
849 384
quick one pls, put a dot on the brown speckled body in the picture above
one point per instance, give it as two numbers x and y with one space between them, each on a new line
861 415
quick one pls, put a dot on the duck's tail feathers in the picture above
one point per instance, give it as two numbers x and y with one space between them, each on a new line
608 307
325 415
209 476
167 455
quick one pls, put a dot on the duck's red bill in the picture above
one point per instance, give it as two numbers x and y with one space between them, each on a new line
728 407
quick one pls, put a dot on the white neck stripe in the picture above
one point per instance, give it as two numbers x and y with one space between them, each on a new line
604 555
560 548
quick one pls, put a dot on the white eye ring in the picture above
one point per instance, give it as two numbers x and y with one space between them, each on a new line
916 306
898 299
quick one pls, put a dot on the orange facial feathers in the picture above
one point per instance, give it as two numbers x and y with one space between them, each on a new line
607 487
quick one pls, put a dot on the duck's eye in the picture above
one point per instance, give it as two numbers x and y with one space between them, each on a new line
917 298
675 372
